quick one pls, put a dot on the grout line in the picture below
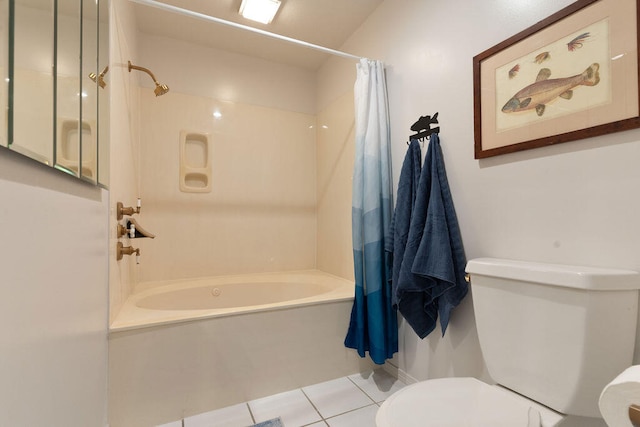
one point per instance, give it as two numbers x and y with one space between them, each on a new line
362 390
351 410
312 404
251 413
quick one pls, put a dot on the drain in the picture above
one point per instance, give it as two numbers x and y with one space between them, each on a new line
216 292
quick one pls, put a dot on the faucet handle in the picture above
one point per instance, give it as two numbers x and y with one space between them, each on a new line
122 250
121 210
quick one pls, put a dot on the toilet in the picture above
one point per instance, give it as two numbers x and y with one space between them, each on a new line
552 336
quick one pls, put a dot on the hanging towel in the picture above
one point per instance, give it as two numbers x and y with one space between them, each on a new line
431 278
405 200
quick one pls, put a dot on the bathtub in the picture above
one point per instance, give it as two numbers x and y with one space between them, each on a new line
157 303
179 348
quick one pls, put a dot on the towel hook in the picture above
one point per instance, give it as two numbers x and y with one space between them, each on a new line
422 127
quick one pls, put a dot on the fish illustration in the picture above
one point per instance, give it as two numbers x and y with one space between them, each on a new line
577 42
537 95
514 71
544 56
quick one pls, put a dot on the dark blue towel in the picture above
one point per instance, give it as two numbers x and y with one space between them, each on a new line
431 278
405 199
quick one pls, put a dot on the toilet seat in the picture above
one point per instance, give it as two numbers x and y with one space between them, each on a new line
455 402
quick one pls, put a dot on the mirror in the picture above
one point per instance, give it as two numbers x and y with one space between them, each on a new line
103 93
71 128
4 72
54 51
31 79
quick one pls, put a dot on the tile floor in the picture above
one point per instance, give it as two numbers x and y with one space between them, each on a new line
344 402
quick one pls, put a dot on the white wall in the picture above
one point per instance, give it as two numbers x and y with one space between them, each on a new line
571 203
53 280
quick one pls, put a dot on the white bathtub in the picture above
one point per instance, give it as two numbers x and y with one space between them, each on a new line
158 303
182 348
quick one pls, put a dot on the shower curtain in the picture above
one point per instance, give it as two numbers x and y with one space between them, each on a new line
373 325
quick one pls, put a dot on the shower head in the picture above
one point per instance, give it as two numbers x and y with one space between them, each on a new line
160 89
100 77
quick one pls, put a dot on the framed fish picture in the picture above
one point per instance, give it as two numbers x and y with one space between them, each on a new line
571 76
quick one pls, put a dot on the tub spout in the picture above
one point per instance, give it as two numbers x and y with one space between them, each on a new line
133 230
122 250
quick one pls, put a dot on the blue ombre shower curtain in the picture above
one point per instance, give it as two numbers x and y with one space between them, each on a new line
373 325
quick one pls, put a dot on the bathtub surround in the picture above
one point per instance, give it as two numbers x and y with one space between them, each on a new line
374 326
241 211
259 215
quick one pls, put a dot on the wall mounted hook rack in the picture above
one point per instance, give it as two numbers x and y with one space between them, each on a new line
423 127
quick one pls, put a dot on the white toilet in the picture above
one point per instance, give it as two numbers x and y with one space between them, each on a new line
552 337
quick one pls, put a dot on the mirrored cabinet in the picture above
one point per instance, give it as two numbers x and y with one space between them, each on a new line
55 55
4 72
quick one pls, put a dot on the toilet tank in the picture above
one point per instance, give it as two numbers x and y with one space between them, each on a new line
555 333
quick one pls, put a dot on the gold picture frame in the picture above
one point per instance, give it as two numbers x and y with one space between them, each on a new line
571 76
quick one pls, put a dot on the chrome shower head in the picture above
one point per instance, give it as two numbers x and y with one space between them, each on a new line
160 89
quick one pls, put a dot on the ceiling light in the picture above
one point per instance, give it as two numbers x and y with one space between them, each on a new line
259 10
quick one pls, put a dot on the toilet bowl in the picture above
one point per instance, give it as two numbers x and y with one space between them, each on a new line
546 333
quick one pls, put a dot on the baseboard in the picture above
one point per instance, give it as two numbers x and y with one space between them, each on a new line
398 373
406 378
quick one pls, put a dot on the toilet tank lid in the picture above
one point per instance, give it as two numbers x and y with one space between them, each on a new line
570 276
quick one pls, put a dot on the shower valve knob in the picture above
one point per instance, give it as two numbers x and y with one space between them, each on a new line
122 210
132 231
122 250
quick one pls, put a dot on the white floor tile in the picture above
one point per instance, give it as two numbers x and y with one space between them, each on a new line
292 407
319 424
379 384
231 416
336 396
173 424
363 417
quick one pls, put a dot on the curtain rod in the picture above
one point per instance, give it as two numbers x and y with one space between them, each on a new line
186 12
